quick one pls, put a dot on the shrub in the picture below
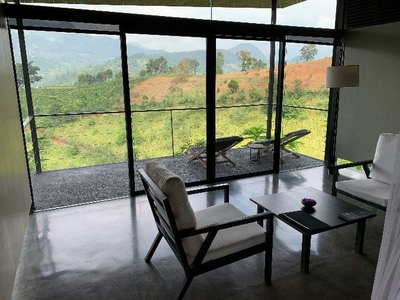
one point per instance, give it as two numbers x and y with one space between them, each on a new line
74 150
241 96
255 95
225 98
233 85
184 148
121 138
255 133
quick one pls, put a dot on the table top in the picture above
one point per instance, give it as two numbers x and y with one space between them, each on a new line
326 210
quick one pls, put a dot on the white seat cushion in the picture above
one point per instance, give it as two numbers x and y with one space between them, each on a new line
384 158
368 189
230 240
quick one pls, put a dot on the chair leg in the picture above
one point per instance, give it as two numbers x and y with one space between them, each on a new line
227 159
153 248
184 288
268 267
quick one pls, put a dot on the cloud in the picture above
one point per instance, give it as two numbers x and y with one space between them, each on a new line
325 22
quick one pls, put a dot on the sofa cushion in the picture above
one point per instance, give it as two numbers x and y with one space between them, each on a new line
368 189
384 159
230 240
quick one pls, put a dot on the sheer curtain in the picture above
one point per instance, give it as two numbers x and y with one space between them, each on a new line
387 276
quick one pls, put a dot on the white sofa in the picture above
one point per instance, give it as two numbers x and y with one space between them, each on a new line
375 188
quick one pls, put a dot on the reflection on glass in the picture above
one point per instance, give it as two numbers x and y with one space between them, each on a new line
245 15
310 13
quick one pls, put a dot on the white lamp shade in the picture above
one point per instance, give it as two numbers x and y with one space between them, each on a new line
342 76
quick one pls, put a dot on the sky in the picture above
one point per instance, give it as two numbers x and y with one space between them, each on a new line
310 13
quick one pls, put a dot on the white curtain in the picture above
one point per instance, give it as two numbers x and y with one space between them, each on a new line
387 276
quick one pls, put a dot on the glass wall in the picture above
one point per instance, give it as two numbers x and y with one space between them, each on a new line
241 97
305 102
79 109
168 86
77 98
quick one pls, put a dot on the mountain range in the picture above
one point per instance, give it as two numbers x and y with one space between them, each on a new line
61 57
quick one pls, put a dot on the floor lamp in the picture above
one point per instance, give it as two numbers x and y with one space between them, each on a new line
339 77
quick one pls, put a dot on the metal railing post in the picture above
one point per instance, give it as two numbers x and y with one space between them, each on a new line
172 133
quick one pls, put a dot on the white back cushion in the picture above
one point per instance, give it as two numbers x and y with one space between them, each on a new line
173 186
384 159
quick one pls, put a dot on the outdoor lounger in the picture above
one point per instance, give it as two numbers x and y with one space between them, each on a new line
222 145
287 139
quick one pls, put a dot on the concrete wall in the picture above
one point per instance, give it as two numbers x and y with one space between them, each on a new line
374 106
14 186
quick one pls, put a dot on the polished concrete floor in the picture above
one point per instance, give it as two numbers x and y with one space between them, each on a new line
96 251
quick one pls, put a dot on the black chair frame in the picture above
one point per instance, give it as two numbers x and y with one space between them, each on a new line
167 229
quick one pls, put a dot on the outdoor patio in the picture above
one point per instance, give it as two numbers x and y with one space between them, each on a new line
59 188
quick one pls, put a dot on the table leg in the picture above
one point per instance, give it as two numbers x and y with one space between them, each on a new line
360 236
305 253
268 252
260 210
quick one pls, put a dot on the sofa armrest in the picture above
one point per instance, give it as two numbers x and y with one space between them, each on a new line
214 187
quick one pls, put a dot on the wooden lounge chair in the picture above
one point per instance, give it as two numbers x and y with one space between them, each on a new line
222 145
206 239
286 140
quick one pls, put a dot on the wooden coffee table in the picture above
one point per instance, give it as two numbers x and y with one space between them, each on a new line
322 217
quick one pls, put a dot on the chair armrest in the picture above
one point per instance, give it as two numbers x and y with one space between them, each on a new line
335 171
353 164
215 187
226 224
364 164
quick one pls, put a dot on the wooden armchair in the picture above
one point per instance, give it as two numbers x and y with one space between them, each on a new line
374 189
207 239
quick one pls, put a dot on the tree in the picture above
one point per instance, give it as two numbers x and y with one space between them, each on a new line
32 71
86 79
308 52
187 66
220 63
104 75
245 60
155 67
258 64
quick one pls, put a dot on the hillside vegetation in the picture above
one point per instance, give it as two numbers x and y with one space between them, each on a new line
84 140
